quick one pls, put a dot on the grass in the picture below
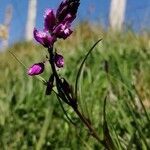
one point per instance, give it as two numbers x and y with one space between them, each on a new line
31 120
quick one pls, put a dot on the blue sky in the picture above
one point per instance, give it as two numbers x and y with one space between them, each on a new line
137 14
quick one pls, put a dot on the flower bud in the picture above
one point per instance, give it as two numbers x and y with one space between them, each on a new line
59 60
36 69
49 20
67 7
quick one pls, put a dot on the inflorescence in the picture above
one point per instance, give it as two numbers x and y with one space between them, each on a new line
57 25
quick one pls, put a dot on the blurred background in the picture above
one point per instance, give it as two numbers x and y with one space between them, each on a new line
118 67
16 17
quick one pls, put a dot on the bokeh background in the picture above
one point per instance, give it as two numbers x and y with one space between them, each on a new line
118 68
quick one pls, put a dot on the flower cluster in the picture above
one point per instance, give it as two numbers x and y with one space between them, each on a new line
57 25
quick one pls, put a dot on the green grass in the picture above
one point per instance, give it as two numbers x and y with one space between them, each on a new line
31 120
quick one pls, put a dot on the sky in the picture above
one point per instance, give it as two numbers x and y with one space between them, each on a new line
137 14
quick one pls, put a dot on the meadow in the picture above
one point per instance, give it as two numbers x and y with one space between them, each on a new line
118 67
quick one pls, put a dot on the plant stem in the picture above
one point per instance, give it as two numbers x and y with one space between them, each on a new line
88 125
66 98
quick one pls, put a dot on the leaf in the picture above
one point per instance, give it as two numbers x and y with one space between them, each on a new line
81 66
65 112
107 138
131 141
66 86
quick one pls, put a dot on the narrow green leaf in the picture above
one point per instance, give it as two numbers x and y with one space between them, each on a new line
131 141
81 66
107 137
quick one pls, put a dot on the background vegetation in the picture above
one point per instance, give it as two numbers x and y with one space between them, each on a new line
31 120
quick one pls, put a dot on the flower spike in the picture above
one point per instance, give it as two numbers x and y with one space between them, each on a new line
49 20
67 7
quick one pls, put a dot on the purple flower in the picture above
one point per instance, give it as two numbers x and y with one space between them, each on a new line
44 38
61 11
36 69
69 18
59 60
62 30
49 20
57 25
67 7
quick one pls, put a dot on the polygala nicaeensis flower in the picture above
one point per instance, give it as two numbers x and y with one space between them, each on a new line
67 7
49 20
57 24
36 69
59 60
44 38
62 30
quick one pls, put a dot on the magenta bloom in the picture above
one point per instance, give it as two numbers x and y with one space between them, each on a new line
62 30
69 18
67 7
44 38
59 60
57 25
36 69
49 20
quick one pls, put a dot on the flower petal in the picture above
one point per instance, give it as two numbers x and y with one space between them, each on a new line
62 30
44 38
49 20
59 60
36 69
67 7
69 18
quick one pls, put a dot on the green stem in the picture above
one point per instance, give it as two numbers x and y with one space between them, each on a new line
88 125
66 98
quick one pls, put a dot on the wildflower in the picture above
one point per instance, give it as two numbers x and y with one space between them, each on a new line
49 20
50 85
57 25
44 38
59 60
36 69
69 18
67 7
62 30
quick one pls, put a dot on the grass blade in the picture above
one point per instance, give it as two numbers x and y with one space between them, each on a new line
107 137
81 66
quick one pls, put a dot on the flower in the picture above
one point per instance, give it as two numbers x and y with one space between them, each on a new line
61 11
49 20
67 7
57 25
36 69
59 60
44 38
69 18
62 30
